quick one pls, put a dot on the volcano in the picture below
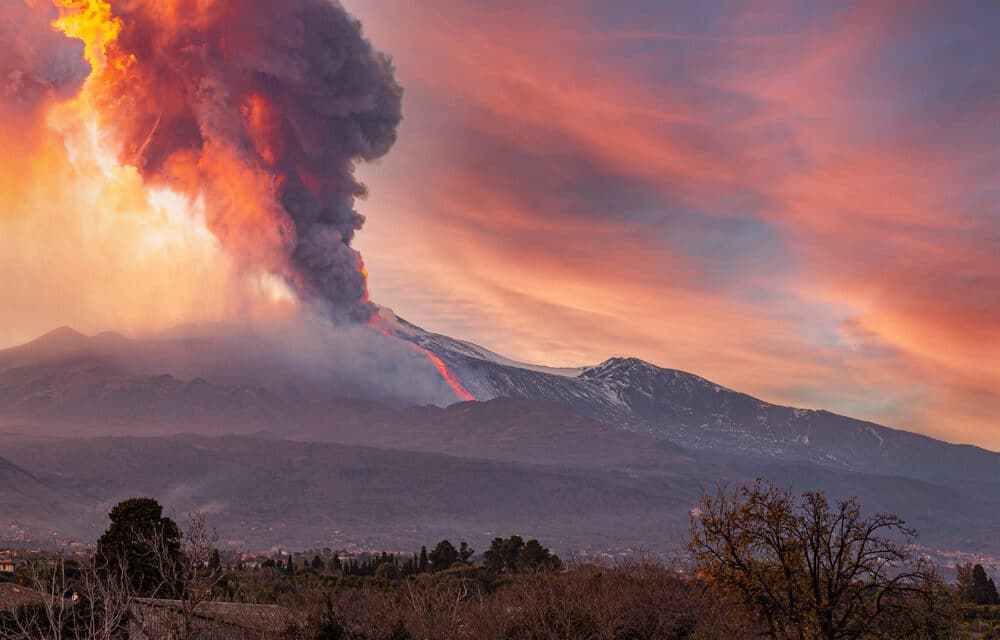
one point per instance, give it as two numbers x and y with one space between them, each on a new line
390 434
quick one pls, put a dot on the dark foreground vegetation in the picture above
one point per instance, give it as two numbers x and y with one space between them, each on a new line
763 564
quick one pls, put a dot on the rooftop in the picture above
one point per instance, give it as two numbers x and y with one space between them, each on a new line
250 616
13 596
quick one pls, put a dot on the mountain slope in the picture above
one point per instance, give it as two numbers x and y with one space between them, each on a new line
31 508
228 381
265 491
504 430
260 491
698 414
589 438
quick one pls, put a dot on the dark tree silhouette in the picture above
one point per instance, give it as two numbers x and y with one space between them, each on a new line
503 554
133 523
982 589
444 556
535 557
513 555
215 562
465 552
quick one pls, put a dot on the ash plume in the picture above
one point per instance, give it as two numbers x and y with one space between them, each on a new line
263 109
37 63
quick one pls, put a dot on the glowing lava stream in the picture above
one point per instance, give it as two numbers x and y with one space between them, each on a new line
439 364
260 222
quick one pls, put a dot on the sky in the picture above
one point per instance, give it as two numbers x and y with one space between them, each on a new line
797 200
794 199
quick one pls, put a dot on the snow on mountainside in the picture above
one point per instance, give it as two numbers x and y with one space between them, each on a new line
443 344
696 413
230 381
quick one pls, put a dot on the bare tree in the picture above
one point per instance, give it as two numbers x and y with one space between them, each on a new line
812 572
437 609
91 603
186 575
963 581
47 611
103 593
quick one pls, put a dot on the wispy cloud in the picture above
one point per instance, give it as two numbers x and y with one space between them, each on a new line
796 201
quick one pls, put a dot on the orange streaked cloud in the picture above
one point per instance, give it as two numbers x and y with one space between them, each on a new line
83 241
796 202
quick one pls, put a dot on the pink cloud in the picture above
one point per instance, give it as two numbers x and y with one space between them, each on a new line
565 184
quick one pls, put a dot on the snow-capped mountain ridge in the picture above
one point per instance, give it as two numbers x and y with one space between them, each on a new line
232 380
439 344
697 413
594 447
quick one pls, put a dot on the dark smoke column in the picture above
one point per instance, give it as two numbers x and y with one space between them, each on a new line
262 107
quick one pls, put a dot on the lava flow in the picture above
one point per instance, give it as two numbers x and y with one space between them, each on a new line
456 386
449 377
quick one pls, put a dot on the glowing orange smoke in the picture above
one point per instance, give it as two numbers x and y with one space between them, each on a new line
248 149
460 391
364 274
253 115
92 22
261 120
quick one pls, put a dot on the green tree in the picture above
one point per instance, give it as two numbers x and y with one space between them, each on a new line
424 562
503 554
444 556
465 552
513 555
317 563
215 562
387 570
814 572
135 523
535 557
984 590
